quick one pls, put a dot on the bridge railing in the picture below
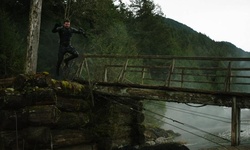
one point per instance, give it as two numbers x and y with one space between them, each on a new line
206 73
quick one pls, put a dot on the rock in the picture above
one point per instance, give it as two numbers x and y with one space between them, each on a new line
150 143
152 133
166 146
162 140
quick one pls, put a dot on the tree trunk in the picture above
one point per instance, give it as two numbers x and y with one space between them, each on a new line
33 37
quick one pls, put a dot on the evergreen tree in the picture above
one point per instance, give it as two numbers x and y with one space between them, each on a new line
12 49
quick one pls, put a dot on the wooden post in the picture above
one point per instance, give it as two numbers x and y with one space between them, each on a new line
142 75
89 80
171 70
182 77
79 71
228 78
105 74
122 74
235 124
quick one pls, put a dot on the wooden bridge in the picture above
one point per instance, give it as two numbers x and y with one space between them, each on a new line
217 81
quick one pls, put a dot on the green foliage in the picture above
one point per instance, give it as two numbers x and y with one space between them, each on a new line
115 40
12 49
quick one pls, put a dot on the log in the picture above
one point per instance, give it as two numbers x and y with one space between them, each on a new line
63 138
10 119
35 138
67 88
39 135
33 115
8 140
7 82
72 120
16 100
85 146
31 80
44 138
41 96
12 101
73 104
43 115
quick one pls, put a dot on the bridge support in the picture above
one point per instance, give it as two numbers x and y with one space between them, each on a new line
235 124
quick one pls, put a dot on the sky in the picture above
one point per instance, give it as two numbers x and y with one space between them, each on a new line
220 20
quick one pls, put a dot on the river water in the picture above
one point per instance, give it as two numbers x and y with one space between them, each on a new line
198 125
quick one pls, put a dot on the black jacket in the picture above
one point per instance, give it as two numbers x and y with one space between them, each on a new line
65 34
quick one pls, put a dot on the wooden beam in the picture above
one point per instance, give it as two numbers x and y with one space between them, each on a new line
171 94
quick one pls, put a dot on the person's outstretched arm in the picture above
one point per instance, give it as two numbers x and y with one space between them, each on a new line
80 31
57 27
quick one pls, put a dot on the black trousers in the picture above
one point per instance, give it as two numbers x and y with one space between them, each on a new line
62 51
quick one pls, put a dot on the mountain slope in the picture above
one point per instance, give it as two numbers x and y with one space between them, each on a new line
194 43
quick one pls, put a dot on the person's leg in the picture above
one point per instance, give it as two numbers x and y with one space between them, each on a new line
60 59
74 54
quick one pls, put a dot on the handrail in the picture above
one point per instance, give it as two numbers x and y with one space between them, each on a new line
171 71
166 57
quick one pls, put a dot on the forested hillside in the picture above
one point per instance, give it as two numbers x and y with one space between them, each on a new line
111 27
